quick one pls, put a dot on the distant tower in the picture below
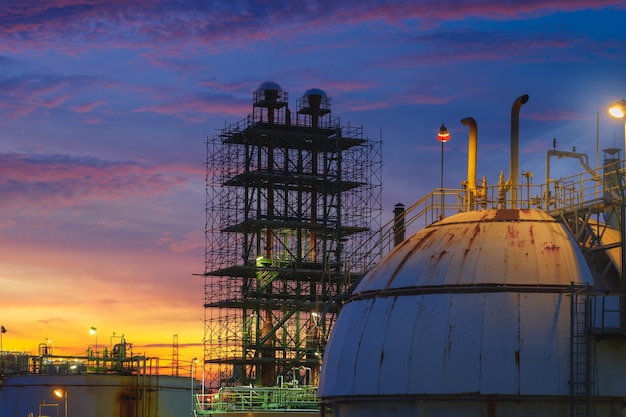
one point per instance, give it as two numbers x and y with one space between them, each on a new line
291 205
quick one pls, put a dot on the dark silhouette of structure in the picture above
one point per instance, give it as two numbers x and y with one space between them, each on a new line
292 204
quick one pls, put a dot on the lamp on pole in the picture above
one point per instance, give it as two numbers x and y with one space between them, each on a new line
618 110
93 331
3 330
191 376
62 393
443 136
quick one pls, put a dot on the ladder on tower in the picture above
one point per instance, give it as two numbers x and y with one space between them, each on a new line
580 355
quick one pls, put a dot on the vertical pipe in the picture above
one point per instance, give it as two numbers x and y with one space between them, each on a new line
399 227
598 145
270 202
267 375
622 302
441 189
513 178
315 101
313 238
622 233
471 158
266 367
270 101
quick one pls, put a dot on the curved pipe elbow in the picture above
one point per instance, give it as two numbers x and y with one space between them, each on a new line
469 121
513 176
517 104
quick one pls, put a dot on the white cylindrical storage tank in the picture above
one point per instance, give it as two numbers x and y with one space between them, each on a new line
468 317
96 395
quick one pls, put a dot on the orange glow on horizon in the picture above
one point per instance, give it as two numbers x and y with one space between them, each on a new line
57 296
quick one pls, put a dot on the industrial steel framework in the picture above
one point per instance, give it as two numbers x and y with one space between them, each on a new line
292 204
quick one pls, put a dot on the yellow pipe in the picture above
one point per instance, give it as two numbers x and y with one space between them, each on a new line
471 158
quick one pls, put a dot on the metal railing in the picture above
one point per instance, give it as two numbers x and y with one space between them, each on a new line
556 196
289 397
607 314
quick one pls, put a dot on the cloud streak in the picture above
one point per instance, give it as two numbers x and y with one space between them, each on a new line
139 24
66 179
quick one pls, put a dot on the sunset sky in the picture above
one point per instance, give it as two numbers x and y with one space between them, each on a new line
105 107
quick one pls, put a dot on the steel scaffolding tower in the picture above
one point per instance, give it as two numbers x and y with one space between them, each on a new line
292 204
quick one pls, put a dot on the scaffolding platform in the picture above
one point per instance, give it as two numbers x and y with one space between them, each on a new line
293 201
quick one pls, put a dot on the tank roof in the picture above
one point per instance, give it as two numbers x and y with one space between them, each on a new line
501 247
270 85
315 91
475 303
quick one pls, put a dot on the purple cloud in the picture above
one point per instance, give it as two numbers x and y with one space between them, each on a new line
68 180
140 24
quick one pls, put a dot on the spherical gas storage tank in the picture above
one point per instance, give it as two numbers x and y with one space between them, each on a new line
468 317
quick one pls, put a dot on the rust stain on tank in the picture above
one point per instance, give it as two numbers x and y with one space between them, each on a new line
408 255
514 236
512 232
450 332
506 215
484 215
550 248
127 401
475 231
424 238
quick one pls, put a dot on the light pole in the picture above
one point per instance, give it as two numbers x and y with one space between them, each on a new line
618 110
3 330
191 377
443 136
62 393
93 331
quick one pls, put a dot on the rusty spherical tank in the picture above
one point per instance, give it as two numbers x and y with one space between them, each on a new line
469 316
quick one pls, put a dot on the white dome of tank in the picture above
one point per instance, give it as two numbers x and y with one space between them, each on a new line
270 85
469 310
314 92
